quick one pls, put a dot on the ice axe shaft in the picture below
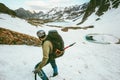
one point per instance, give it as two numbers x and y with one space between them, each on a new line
69 45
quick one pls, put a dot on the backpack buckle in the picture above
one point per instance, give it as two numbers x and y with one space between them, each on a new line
58 52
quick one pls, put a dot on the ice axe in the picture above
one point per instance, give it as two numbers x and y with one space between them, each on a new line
69 45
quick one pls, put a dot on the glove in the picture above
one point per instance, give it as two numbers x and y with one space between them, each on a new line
36 71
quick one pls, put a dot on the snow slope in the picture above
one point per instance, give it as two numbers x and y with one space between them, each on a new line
83 61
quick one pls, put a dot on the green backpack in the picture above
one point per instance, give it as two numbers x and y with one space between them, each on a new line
57 42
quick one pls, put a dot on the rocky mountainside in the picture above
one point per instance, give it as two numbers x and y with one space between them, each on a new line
6 10
56 13
99 7
71 12
26 14
15 38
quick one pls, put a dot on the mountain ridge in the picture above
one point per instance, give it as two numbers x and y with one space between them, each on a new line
102 5
6 10
83 11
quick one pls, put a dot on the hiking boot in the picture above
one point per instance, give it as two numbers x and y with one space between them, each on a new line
55 74
47 79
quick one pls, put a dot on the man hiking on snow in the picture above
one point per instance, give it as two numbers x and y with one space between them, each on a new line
53 47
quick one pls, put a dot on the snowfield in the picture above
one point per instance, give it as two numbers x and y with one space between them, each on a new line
83 61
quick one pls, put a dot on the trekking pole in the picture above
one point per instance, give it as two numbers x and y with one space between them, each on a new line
40 74
69 45
35 76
